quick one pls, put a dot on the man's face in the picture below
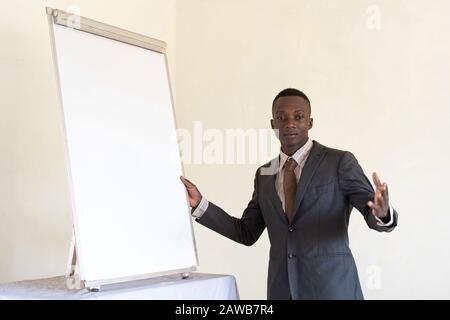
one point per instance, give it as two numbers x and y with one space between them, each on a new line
292 117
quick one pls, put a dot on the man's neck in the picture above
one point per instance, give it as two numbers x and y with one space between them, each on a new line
293 149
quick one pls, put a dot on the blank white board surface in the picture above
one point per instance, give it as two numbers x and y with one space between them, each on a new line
131 214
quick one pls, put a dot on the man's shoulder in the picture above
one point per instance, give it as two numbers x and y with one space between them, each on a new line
336 155
270 163
331 151
269 168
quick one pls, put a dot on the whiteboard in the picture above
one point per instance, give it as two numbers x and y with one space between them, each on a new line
130 210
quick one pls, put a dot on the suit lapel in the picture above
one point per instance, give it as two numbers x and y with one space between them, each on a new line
312 163
276 199
270 172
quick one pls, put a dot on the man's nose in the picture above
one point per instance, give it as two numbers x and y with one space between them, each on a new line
290 123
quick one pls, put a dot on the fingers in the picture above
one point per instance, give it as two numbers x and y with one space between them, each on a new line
376 180
186 182
380 200
373 205
381 197
194 194
380 204
381 187
376 209
385 194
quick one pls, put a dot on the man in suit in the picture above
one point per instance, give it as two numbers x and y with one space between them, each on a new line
304 197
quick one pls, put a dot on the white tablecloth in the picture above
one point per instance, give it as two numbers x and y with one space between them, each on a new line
198 286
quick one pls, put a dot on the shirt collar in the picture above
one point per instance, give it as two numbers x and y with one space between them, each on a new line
299 155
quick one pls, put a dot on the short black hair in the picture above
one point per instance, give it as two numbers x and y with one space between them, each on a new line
292 92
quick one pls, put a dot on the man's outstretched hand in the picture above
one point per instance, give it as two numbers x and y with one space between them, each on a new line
194 195
380 205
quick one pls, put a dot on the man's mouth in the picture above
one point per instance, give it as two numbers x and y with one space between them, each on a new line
292 134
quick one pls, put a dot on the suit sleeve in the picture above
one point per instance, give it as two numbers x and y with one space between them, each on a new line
359 191
245 230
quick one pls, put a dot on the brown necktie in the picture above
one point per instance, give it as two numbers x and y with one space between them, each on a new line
290 187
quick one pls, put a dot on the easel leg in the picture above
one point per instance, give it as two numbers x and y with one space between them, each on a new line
72 277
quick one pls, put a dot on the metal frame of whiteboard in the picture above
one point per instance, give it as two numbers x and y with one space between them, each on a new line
60 17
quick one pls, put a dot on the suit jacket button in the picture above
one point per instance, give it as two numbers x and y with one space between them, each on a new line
291 256
291 229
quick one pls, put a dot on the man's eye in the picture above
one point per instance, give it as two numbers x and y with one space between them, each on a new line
299 117
279 118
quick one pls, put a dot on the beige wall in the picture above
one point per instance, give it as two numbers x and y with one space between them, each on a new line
379 88
35 221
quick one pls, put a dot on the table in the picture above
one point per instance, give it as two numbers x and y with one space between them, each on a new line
199 286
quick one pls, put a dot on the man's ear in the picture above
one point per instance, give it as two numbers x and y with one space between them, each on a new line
271 124
311 123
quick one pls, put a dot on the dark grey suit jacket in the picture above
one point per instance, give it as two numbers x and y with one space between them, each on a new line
309 258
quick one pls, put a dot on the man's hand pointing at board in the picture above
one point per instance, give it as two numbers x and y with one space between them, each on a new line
194 195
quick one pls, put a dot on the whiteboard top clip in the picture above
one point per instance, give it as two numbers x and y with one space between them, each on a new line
51 12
